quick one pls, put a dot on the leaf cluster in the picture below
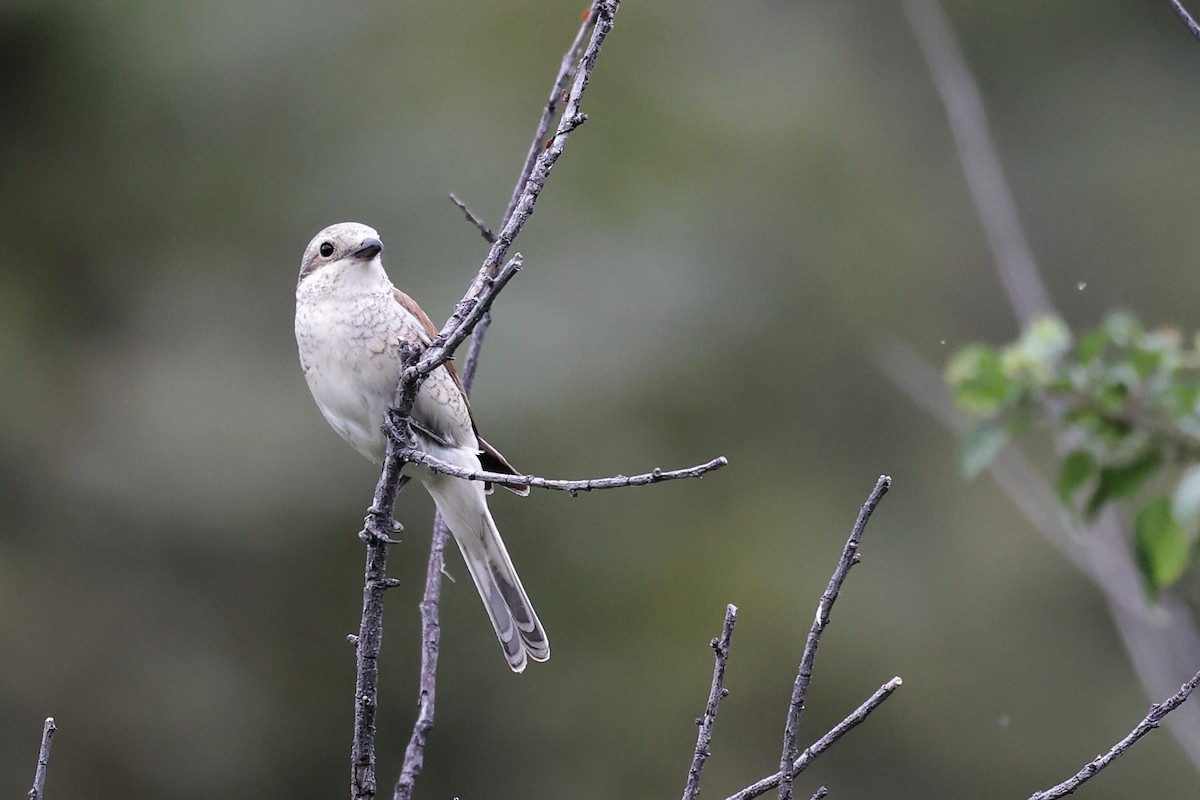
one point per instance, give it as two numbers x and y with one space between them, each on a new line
1121 401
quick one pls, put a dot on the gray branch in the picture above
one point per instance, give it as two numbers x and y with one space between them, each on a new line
855 718
848 559
1186 18
573 487
1151 721
720 646
39 775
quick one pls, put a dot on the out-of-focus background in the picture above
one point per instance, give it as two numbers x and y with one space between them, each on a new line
766 193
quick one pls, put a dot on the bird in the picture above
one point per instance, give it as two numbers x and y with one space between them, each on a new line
351 326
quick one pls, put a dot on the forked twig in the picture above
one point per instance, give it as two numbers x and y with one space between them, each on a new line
852 720
848 559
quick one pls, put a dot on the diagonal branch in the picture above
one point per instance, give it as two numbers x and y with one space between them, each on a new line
852 720
416 456
720 646
1152 720
1162 640
1186 18
981 166
848 559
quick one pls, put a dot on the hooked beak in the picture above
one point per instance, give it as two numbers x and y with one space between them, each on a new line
368 249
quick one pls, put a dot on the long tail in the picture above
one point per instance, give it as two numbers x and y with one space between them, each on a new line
464 506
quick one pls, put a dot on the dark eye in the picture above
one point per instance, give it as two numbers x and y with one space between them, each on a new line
326 249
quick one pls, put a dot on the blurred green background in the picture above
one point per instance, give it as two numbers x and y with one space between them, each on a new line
766 192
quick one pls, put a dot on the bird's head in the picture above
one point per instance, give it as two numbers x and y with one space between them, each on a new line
341 247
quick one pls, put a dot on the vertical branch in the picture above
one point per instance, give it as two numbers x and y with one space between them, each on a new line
849 558
376 533
39 775
431 636
720 646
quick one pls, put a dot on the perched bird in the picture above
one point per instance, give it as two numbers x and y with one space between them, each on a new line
350 325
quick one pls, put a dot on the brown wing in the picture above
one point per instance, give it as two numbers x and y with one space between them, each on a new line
489 458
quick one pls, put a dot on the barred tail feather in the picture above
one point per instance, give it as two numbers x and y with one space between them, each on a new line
464 507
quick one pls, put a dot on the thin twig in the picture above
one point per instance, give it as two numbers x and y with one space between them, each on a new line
1186 18
1152 721
431 635
574 487
466 314
984 174
820 794
804 675
720 648
566 72
39 775
479 224
802 762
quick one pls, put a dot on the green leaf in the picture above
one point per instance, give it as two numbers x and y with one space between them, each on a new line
979 383
1162 548
1144 362
979 446
1123 480
1076 470
1180 398
1092 346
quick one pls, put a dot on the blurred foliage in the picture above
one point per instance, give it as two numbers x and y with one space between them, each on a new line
763 192
1126 400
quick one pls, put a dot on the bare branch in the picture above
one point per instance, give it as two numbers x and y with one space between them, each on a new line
804 675
470 314
467 314
985 176
431 635
820 794
479 224
720 647
416 456
566 72
1152 721
39 774
858 716
458 327
1186 18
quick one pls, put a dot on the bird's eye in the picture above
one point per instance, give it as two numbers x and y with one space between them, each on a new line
326 249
